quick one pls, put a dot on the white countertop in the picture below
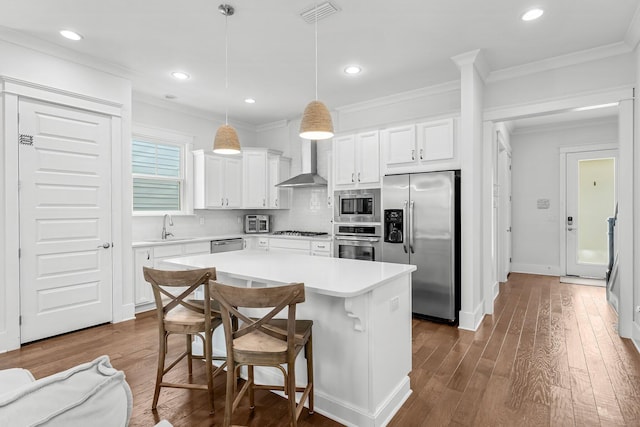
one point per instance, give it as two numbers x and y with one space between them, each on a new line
323 275
179 240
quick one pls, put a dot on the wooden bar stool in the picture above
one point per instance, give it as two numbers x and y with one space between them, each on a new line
265 342
179 315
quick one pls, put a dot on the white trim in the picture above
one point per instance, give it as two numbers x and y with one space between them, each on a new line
636 336
451 86
632 36
471 321
273 125
40 92
560 104
477 59
496 290
573 124
543 270
614 49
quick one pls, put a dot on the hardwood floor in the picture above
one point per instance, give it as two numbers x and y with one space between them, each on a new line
549 356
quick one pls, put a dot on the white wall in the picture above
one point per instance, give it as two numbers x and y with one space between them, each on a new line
536 175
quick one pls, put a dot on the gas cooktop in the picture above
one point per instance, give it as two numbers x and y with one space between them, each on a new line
298 233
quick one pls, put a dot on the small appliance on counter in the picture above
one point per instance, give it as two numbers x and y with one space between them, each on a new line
256 223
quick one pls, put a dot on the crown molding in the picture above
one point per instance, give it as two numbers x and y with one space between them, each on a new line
572 124
56 51
477 59
273 125
153 101
614 49
632 36
401 97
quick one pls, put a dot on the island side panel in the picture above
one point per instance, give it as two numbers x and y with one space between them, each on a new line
390 347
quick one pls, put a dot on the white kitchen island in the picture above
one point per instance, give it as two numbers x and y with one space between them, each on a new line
362 326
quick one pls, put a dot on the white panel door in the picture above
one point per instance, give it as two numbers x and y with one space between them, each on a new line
591 199
344 156
368 158
65 219
233 182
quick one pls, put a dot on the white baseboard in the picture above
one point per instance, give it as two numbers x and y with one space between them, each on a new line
470 321
496 290
545 270
7 343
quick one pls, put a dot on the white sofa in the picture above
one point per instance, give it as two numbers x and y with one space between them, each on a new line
93 394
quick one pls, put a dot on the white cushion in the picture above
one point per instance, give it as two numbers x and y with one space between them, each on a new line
11 379
92 394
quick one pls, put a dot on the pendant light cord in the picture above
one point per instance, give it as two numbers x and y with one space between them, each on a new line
226 68
316 43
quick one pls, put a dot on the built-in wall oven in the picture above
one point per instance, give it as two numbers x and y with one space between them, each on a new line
358 241
357 205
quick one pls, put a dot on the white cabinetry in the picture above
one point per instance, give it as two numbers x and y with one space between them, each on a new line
279 170
321 248
217 181
258 185
290 245
418 148
153 256
357 160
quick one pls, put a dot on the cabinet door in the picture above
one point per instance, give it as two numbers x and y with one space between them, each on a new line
344 157
399 146
279 170
435 140
214 182
233 183
254 184
368 158
143 257
330 180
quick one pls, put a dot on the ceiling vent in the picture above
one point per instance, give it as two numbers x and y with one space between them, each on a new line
325 9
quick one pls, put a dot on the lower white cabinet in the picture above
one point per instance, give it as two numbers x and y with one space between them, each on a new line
321 248
290 245
153 256
295 246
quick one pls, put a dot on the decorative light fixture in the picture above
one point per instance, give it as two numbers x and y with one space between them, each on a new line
226 140
316 121
532 14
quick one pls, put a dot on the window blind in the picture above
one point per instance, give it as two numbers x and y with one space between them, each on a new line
157 177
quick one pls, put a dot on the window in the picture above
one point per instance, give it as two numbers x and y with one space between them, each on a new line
159 169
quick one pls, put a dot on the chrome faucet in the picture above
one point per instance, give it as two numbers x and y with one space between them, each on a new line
166 233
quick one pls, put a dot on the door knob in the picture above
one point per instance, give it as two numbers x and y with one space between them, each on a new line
105 245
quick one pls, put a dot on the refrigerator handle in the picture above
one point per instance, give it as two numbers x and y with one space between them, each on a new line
411 227
404 227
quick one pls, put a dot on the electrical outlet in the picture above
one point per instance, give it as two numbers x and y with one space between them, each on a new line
395 303
201 220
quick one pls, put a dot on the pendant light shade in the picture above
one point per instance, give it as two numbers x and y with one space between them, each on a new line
226 140
316 122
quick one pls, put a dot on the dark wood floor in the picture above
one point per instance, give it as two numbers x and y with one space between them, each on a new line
549 356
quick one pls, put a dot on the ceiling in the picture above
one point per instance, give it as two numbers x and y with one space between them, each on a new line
401 45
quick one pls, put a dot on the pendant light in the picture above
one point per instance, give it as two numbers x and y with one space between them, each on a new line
316 121
226 140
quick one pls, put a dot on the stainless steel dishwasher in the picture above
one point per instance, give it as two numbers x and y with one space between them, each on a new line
227 245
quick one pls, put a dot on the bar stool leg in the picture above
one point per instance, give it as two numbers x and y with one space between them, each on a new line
309 356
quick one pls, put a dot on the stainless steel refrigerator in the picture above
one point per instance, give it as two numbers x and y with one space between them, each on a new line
421 217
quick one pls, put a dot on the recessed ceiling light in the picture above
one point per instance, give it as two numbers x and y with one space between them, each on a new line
532 14
353 70
250 101
71 35
179 75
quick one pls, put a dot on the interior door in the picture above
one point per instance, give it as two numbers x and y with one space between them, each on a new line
65 219
591 199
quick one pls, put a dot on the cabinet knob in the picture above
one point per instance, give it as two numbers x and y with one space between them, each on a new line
413 154
421 155
276 202
222 202
264 202
227 202
358 176
353 177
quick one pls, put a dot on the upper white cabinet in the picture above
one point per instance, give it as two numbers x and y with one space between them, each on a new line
217 181
262 169
422 147
357 160
279 170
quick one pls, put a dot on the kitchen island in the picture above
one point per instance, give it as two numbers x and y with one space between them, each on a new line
362 326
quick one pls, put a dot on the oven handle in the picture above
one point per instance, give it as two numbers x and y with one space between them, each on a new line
358 239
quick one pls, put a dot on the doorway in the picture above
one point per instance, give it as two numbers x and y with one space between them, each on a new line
590 201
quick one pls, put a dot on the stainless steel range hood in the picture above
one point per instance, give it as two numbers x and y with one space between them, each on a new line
309 176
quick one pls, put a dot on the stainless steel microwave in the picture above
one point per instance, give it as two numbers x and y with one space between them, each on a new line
357 205
256 223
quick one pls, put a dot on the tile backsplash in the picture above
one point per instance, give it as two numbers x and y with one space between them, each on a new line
309 212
